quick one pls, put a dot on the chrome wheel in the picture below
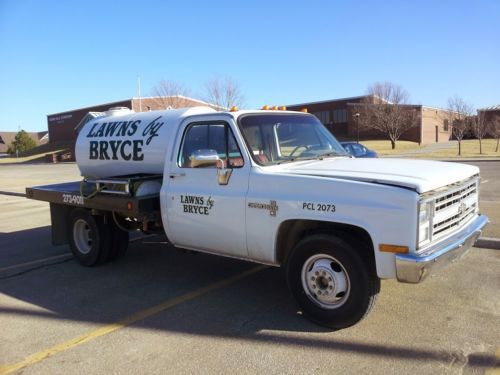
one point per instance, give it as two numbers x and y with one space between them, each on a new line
325 281
82 235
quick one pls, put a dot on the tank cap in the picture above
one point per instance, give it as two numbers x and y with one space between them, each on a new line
116 111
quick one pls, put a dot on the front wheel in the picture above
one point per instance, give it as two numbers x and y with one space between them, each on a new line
331 283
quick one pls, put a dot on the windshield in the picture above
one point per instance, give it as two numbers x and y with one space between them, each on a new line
277 138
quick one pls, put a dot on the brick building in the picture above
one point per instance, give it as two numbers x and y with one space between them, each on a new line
491 113
338 116
62 125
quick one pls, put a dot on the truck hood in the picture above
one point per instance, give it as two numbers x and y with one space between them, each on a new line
419 175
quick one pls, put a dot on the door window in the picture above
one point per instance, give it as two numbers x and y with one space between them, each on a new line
210 136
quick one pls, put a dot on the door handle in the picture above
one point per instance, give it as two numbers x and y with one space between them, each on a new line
174 175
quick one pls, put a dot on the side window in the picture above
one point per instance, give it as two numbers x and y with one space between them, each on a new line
210 136
358 150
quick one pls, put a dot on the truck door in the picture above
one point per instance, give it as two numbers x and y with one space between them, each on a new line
203 213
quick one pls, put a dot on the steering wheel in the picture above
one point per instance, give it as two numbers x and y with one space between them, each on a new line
307 148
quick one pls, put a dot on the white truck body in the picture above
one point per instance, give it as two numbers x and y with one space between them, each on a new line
408 216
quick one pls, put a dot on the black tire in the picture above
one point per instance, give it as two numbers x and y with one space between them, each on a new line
119 242
332 284
89 237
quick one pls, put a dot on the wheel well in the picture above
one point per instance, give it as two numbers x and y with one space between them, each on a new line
292 231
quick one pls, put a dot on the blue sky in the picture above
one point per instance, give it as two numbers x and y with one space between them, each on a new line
61 55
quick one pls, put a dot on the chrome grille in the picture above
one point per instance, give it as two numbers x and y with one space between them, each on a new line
455 208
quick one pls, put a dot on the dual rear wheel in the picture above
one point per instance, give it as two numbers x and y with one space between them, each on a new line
94 240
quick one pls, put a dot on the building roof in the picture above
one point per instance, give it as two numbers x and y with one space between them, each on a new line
118 102
328 101
111 104
6 138
173 96
491 108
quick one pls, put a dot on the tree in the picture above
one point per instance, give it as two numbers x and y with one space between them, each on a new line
386 109
22 142
170 94
223 93
494 129
480 126
460 115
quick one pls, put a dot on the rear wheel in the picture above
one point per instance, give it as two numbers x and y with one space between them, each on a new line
89 237
331 283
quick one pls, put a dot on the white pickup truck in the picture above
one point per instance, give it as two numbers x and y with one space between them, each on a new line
272 187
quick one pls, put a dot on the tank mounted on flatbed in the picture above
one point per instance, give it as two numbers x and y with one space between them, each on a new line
130 143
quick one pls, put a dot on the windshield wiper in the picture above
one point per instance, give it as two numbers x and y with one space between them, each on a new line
331 153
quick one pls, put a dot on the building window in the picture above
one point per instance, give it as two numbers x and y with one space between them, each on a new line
339 116
323 116
446 125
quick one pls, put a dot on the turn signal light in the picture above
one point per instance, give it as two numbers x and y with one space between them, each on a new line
393 249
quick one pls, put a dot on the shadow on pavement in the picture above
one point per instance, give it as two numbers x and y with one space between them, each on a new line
26 246
257 308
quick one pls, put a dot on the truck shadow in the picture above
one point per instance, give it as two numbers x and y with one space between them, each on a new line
26 246
257 308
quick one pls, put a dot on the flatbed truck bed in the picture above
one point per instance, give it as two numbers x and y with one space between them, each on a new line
69 194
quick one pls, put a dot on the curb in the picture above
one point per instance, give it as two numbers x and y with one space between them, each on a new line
488 243
468 160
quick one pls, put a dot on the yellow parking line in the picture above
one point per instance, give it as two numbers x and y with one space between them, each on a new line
496 370
40 356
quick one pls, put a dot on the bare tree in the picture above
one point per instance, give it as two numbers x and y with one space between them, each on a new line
494 129
480 127
223 93
386 109
170 94
460 115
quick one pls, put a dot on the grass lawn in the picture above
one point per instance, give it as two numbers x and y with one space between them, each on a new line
384 147
470 149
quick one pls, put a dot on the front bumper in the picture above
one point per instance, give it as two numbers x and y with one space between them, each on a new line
414 268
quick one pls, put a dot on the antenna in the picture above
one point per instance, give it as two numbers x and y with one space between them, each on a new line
139 92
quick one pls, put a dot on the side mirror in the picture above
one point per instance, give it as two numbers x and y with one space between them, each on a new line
205 158
210 158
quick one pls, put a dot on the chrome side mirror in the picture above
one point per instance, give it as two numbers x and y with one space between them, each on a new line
210 158
205 158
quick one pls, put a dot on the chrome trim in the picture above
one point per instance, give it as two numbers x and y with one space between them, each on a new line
453 206
223 175
414 268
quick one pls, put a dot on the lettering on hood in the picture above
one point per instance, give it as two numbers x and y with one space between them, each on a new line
130 148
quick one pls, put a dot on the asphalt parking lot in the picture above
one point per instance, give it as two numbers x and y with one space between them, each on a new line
489 203
163 310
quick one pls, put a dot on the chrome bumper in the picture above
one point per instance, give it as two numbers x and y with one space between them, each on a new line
413 268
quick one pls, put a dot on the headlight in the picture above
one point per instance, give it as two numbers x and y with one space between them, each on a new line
425 216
